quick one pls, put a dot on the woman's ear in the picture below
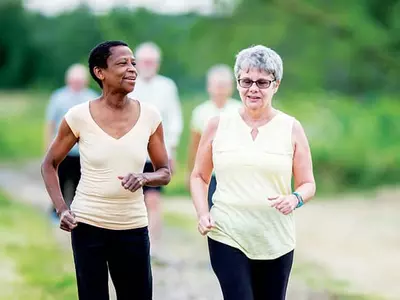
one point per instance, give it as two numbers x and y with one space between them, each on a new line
276 86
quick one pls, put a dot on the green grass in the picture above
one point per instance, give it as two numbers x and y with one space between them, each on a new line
21 125
38 268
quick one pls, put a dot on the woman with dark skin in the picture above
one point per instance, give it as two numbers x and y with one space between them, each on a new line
108 218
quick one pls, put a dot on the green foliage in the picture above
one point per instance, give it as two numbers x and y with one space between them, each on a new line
16 51
44 271
62 41
346 46
336 45
354 144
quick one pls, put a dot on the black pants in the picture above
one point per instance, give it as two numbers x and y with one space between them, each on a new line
211 190
69 174
125 253
242 278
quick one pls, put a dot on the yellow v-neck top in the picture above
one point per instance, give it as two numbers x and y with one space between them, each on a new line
100 199
248 172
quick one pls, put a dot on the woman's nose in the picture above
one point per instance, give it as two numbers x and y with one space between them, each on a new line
253 87
132 68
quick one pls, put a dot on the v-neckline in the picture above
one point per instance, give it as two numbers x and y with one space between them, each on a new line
259 128
107 134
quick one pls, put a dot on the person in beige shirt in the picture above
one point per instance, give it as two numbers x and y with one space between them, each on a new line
254 151
108 218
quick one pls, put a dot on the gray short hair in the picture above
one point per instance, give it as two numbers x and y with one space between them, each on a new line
76 70
261 58
220 70
148 46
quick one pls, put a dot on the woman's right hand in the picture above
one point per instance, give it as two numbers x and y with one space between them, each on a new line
205 224
67 220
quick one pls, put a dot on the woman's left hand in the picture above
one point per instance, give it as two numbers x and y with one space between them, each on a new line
284 203
133 181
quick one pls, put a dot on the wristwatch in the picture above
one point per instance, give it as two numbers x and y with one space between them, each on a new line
300 198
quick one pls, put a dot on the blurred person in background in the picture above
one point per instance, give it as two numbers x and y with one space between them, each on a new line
75 92
162 92
220 83
254 152
108 219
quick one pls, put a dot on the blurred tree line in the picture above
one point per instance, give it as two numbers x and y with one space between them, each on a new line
347 46
334 52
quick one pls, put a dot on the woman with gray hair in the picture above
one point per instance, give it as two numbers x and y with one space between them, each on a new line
254 153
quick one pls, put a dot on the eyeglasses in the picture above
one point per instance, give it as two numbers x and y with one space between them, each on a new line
261 83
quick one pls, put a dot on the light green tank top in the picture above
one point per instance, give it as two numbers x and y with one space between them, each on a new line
248 172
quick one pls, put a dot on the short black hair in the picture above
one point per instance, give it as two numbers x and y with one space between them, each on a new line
98 57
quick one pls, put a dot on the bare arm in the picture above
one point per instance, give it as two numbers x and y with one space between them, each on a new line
60 147
159 158
302 172
304 181
193 146
202 170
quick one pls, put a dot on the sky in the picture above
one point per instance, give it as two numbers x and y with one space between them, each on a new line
51 7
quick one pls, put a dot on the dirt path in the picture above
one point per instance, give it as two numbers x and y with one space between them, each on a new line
354 241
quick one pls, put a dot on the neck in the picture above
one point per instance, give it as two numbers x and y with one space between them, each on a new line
115 100
219 102
266 113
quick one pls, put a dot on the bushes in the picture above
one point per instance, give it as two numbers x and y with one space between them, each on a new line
355 145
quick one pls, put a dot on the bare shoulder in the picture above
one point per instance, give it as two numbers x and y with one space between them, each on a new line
298 134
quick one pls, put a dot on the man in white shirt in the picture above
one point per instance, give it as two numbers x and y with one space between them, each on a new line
163 93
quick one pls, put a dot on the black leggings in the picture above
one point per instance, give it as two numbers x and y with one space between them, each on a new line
69 174
211 190
242 278
125 253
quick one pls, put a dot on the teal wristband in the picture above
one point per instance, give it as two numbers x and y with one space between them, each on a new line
300 198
